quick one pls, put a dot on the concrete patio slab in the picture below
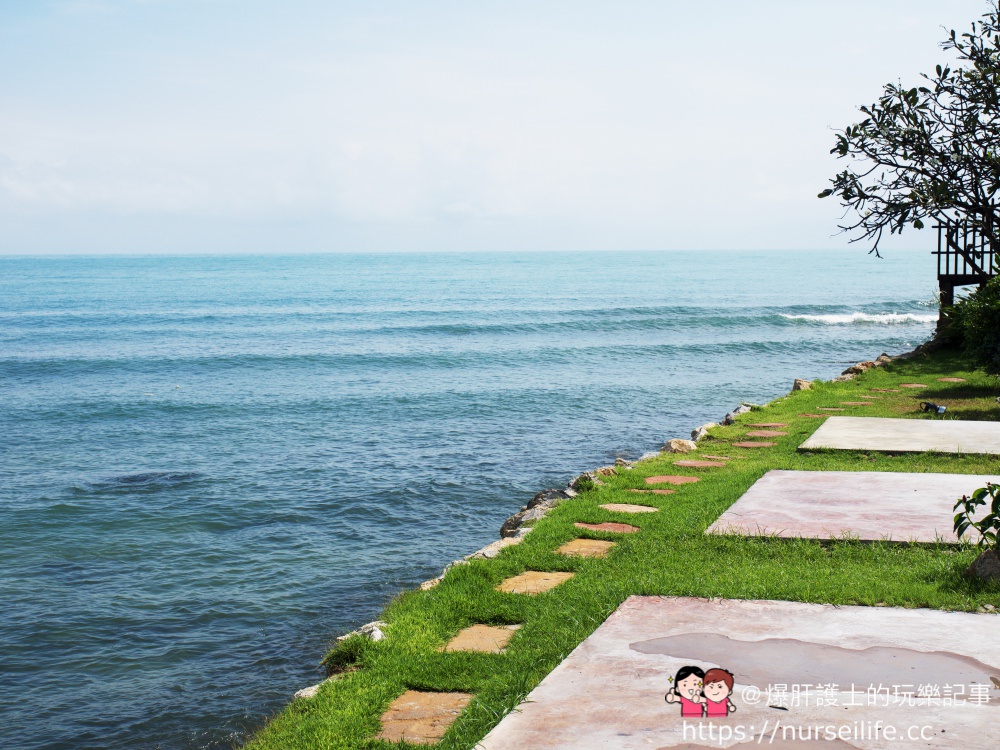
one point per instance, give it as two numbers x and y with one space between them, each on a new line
586 548
533 582
906 435
422 718
844 668
866 505
489 639
628 508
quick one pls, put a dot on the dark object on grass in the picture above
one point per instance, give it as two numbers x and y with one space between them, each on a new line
932 408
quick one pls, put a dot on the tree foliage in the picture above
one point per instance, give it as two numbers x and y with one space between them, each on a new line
930 151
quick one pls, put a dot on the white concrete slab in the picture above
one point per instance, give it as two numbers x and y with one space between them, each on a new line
906 435
852 671
867 505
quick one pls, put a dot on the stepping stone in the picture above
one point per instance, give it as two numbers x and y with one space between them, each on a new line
813 416
670 479
716 458
855 403
886 390
754 445
951 380
421 718
608 693
699 464
656 492
608 526
489 639
828 408
533 582
869 505
906 435
766 433
912 385
627 508
769 425
586 548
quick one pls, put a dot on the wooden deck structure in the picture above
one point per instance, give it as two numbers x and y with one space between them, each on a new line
965 257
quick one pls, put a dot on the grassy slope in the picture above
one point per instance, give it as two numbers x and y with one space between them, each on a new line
670 556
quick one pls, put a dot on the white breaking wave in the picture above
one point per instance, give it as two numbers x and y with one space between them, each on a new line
846 319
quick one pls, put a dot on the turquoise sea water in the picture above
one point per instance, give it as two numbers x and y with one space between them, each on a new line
211 466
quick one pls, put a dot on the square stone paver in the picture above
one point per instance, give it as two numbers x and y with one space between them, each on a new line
670 479
627 508
533 582
848 667
586 548
913 435
422 718
608 526
866 505
491 639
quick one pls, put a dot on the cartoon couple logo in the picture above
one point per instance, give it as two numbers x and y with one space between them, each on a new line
702 694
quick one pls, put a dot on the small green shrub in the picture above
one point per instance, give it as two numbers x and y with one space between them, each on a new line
976 320
989 525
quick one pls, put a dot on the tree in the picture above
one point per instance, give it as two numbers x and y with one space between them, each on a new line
931 151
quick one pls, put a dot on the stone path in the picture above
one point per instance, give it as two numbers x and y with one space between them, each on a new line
825 504
828 666
670 479
489 639
585 548
533 582
628 508
421 718
608 526
906 435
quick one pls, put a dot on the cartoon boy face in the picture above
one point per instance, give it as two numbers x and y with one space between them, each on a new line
689 687
717 691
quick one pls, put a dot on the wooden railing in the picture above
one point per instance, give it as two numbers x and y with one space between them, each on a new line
965 256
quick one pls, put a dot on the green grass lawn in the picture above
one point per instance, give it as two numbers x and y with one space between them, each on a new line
671 555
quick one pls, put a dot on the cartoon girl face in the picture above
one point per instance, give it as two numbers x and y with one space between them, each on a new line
717 691
689 687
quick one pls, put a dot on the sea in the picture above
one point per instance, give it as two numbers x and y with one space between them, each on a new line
211 466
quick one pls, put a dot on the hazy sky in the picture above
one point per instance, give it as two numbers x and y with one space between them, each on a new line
236 125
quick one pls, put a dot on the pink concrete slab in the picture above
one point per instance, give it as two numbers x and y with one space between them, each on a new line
608 526
827 666
769 425
912 385
699 464
750 444
865 505
627 508
533 582
670 479
951 380
422 718
901 435
491 639
655 492
585 548
766 433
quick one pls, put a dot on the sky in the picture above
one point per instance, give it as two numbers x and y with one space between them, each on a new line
220 126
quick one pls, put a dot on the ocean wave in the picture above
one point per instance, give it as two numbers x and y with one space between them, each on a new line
854 318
